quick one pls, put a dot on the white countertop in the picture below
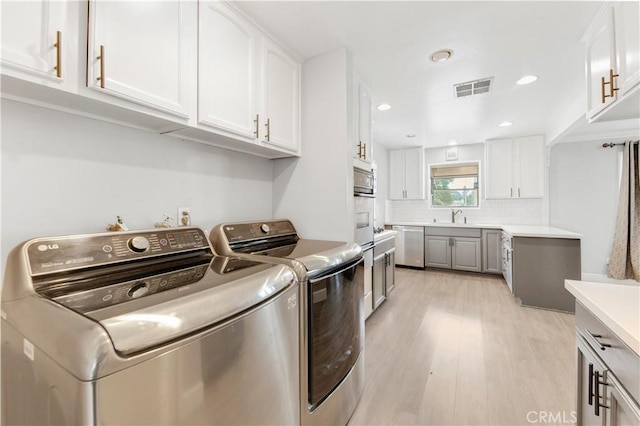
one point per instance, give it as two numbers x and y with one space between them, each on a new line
384 235
616 305
540 231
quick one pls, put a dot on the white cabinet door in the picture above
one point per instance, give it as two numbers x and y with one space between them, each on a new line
600 59
466 254
363 128
406 179
39 41
227 70
396 175
414 174
281 94
142 52
499 169
437 252
529 164
627 37
514 168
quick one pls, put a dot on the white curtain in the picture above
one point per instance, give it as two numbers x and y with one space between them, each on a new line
625 255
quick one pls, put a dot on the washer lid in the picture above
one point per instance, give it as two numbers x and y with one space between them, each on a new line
226 290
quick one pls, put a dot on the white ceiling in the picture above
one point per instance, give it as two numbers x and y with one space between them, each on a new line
391 42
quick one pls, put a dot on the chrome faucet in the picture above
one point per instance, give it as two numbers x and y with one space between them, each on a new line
453 215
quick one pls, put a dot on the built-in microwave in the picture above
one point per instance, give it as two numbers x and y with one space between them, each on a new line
363 182
364 193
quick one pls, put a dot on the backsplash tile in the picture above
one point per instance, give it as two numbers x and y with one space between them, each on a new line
507 212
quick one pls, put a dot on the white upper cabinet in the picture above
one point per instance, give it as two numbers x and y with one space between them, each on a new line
281 98
612 62
406 174
227 70
514 168
143 52
248 86
40 42
363 126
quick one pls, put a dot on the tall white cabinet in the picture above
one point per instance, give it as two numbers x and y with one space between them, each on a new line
406 177
143 52
514 168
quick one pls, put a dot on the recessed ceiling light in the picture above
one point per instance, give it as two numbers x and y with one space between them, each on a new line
411 135
453 142
527 79
505 124
384 107
441 55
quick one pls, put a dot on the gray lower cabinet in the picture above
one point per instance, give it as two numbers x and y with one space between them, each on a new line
379 276
491 251
608 374
384 275
466 254
437 252
453 252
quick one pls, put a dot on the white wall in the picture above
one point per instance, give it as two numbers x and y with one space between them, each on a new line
584 179
381 158
514 211
316 190
66 174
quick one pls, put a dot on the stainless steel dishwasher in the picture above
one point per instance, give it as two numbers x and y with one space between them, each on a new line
409 246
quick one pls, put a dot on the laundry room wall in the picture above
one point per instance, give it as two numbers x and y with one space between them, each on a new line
66 174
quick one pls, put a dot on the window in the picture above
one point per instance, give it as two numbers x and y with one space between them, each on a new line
454 185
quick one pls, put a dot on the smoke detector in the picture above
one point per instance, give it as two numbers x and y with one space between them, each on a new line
471 88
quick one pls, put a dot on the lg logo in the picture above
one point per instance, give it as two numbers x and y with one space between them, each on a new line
45 247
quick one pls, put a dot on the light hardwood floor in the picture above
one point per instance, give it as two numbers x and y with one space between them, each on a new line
453 348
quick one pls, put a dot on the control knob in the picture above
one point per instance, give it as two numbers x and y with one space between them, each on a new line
264 228
138 244
138 290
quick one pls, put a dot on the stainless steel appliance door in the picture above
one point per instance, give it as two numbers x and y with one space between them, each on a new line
336 329
364 210
244 372
410 246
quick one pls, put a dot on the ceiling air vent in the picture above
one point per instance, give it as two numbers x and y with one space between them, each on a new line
469 88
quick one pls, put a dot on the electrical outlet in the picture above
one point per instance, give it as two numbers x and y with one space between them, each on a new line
184 216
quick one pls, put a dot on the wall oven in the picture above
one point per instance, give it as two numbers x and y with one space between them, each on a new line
364 199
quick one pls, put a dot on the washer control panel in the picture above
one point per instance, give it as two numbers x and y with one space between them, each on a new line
57 254
251 231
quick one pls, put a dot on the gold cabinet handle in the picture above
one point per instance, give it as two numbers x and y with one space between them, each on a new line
101 59
58 47
364 151
268 127
257 122
612 85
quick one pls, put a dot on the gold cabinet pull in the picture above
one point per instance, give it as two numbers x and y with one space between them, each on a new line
612 85
257 123
359 149
101 59
268 127
58 47
364 151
